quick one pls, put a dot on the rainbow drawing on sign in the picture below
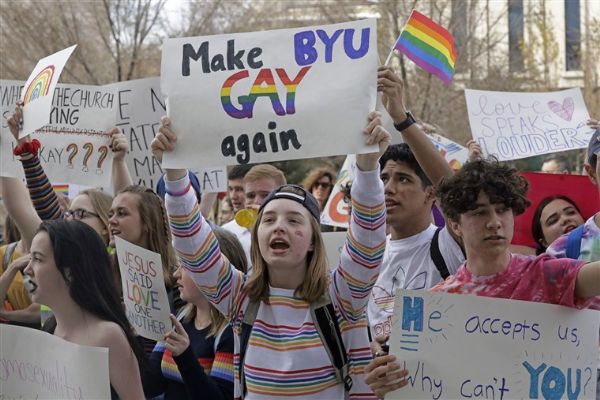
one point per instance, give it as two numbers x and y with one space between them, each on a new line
40 85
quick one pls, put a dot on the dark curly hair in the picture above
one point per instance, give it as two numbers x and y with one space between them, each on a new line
458 193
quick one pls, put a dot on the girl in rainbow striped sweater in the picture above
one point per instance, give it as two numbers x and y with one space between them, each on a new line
285 356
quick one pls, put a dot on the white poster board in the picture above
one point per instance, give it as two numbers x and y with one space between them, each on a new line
37 365
336 211
74 145
511 125
144 292
39 89
334 244
139 106
212 179
272 95
466 346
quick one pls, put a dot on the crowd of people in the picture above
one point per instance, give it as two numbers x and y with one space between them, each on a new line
257 313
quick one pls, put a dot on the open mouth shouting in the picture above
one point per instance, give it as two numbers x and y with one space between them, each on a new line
279 245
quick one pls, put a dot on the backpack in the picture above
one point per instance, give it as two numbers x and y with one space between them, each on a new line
573 248
436 255
325 320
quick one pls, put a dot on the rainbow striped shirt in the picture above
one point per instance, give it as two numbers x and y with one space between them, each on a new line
285 356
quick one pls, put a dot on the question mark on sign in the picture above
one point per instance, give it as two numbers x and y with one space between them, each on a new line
73 149
90 149
103 150
588 369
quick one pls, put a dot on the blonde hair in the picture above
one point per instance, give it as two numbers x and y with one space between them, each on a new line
101 201
155 225
315 280
265 171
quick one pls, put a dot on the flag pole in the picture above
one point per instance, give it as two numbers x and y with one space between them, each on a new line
393 50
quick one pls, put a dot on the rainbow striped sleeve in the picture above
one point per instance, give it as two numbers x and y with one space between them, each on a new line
222 366
42 194
428 45
365 243
198 248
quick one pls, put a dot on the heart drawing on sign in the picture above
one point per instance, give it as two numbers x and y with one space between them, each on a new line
564 110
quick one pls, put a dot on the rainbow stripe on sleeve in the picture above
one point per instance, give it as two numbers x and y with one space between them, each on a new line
428 45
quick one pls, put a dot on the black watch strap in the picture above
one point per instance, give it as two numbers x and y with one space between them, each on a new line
406 123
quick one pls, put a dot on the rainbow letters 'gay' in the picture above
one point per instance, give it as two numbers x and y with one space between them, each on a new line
428 45
39 85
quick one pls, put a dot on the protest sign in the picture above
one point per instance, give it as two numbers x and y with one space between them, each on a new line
517 125
39 89
36 365
543 185
335 212
272 95
140 105
455 154
74 144
144 292
504 349
212 179
334 243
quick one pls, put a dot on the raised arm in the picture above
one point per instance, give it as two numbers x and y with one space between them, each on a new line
588 280
19 207
430 159
193 238
42 194
361 257
120 172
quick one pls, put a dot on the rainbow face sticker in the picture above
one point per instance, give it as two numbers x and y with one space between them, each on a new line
39 85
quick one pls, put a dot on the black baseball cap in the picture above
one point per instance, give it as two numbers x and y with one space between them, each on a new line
296 193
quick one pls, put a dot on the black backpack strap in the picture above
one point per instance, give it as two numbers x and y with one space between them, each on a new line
326 323
436 255
247 323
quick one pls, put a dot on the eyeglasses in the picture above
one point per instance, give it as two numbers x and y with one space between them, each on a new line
79 214
324 185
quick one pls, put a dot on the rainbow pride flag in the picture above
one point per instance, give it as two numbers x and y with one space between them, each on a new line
428 45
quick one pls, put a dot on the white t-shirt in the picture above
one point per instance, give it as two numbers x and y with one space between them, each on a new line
243 235
407 264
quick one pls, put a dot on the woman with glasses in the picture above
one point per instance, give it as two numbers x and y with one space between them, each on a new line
90 206
319 183
284 353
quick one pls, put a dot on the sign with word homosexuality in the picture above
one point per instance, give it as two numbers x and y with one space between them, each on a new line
74 144
272 95
466 346
518 125
39 88
144 292
36 365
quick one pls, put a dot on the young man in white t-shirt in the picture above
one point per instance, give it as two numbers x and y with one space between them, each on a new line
407 171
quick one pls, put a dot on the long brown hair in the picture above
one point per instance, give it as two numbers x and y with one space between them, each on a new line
315 280
155 225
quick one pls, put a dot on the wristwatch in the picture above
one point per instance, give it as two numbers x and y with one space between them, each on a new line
406 123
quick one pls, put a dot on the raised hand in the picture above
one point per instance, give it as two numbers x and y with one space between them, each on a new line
375 134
